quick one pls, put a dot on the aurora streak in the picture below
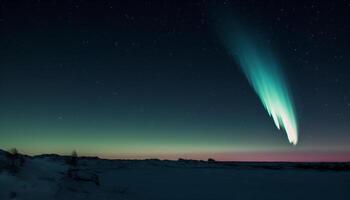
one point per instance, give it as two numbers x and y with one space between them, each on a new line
264 74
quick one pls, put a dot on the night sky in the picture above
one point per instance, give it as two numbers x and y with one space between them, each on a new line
154 79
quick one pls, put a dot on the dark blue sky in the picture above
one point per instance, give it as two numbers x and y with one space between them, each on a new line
153 79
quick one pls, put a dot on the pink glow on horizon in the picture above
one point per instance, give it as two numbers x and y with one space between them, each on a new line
248 156
287 156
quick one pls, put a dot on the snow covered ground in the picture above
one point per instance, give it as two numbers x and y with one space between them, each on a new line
45 177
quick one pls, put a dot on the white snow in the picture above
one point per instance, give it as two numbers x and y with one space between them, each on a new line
46 178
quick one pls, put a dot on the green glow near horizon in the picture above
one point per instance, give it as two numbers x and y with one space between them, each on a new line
129 143
263 73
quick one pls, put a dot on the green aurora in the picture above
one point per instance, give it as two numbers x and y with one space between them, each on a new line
264 74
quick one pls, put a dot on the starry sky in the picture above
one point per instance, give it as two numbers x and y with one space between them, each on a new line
153 79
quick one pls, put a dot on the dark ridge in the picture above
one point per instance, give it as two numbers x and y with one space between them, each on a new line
320 166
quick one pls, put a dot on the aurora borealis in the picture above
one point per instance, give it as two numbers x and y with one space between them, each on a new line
264 74
169 80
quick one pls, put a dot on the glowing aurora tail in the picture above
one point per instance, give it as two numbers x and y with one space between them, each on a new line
264 75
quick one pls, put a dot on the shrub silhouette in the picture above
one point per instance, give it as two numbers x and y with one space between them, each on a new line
72 160
14 160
